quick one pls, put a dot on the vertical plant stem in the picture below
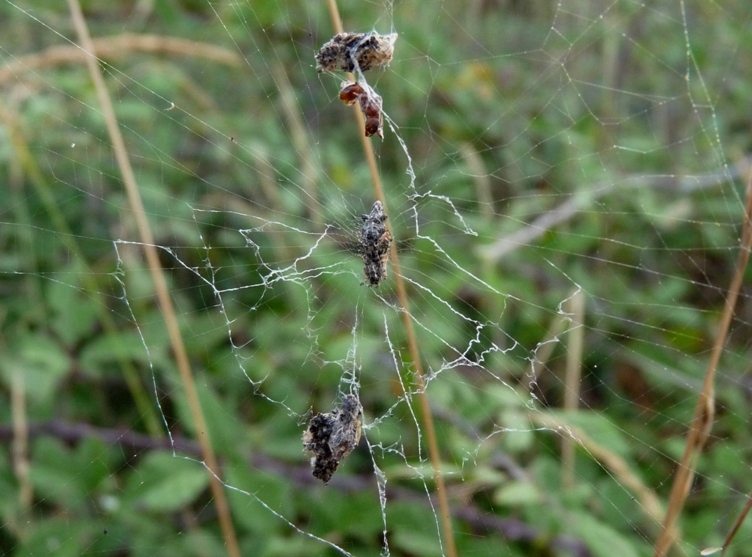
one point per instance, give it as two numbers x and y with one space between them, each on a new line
27 164
650 505
20 440
544 350
572 383
739 520
308 174
481 179
427 418
160 283
702 420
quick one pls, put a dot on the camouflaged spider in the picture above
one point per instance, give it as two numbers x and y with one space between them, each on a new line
375 241
331 437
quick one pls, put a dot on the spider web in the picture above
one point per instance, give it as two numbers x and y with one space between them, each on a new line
565 187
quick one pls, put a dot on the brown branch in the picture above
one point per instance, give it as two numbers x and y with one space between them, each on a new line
479 520
116 47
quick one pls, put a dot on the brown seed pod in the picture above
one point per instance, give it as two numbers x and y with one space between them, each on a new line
351 51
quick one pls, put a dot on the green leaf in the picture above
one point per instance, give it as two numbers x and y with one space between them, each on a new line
518 434
413 542
603 540
75 312
100 356
224 424
597 427
274 490
517 493
60 537
51 475
164 483
44 365
414 529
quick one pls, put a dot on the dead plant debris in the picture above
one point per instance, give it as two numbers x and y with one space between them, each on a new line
356 51
332 436
370 104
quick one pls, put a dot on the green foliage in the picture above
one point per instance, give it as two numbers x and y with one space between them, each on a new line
162 483
629 113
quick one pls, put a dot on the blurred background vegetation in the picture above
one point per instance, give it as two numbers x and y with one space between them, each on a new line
627 125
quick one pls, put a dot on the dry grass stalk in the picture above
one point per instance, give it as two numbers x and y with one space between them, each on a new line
572 381
649 501
739 520
433 447
702 421
20 440
300 140
480 177
25 165
112 48
160 283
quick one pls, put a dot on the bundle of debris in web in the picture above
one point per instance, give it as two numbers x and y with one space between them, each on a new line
356 51
370 104
332 436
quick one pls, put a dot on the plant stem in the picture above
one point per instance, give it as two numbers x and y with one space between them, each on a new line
572 382
160 283
427 418
36 177
702 421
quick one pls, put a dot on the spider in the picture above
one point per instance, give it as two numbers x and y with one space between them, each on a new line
348 51
331 437
375 241
370 104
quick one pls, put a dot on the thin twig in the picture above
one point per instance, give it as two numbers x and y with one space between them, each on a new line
702 421
160 283
433 447
479 520
570 208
